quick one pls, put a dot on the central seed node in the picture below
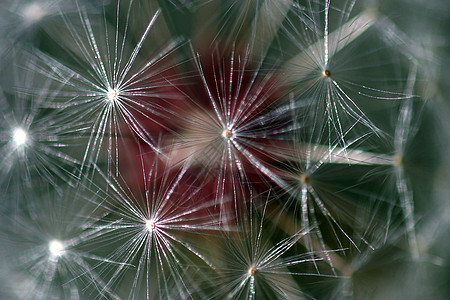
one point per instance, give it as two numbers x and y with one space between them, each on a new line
112 95
227 134
150 224
252 271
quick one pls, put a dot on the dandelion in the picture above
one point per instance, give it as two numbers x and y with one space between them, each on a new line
255 266
157 230
322 187
337 70
117 90
49 247
229 126
33 140
221 149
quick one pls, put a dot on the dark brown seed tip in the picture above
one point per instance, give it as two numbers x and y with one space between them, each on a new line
304 179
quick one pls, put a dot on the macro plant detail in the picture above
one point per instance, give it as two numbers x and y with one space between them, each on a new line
223 149
35 142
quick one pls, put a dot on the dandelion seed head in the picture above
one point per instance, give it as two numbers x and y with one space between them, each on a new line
326 73
56 248
150 224
20 136
252 271
112 95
